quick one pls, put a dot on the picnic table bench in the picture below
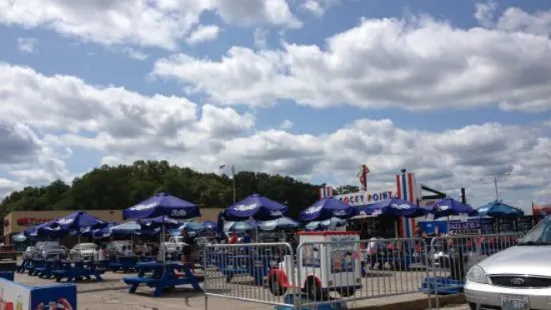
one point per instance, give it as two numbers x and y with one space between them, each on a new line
162 275
123 263
78 270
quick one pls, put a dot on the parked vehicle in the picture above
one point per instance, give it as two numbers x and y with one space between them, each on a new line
49 250
84 251
515 278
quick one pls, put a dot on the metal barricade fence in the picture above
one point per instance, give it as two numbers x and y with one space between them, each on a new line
241 272
323 273
359 270
450 258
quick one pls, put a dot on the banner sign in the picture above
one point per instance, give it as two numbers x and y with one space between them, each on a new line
471 227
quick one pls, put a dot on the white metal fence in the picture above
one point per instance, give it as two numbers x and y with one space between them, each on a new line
345 273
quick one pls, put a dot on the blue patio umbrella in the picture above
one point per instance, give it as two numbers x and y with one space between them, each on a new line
395 208
162 204
327 224
499 209
209 225
125 229
48 229
19 238
280 223
103 232
151 223
326 209
449 207
192 226
239 226
78 221
256 207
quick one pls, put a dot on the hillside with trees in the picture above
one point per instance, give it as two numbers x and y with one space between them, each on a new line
118 187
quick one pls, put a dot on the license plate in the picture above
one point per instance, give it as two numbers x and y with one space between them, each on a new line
515 303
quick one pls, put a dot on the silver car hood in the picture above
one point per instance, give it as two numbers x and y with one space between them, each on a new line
523 260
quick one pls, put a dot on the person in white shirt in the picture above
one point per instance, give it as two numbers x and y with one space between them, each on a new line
101 254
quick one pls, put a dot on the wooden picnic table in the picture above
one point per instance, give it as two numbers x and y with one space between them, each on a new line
161 275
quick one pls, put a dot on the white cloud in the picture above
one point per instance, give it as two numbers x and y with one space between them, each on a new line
27 45
416 64
134 54
318 7
313 7
260 37
286 125
203 34
513 19
124 126
141 22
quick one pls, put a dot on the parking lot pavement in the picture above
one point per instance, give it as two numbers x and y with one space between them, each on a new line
455 307
112 294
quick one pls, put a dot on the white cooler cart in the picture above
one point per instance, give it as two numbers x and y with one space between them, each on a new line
326 261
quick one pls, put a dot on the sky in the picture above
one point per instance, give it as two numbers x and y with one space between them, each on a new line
458 92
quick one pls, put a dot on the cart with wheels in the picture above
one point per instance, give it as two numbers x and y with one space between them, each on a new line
326 262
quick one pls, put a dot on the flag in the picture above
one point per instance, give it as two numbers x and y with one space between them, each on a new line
233 169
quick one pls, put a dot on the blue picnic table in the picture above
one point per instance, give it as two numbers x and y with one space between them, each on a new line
161 275
123 263
78 270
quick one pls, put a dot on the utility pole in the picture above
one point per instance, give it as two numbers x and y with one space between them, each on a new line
232 170
495 180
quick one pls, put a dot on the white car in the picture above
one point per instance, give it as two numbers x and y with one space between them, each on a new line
518 278
84 251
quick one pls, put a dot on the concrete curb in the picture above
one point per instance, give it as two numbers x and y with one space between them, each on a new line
417 303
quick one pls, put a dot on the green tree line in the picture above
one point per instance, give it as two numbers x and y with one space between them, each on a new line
119 187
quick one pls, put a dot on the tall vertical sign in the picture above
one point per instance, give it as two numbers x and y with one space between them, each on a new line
362 176
407 189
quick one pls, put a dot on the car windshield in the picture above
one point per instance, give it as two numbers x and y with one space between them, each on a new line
539 235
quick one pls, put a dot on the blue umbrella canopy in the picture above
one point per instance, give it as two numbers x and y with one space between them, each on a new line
394 207
103 232
326 209
327 224
209 225
78 221
19 238
192 226
499 209
449 207
257 207
127 228
44 230
162 204
280 223
151 223
239 226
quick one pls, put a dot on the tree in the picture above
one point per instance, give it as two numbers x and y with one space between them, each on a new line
346 189
118 187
